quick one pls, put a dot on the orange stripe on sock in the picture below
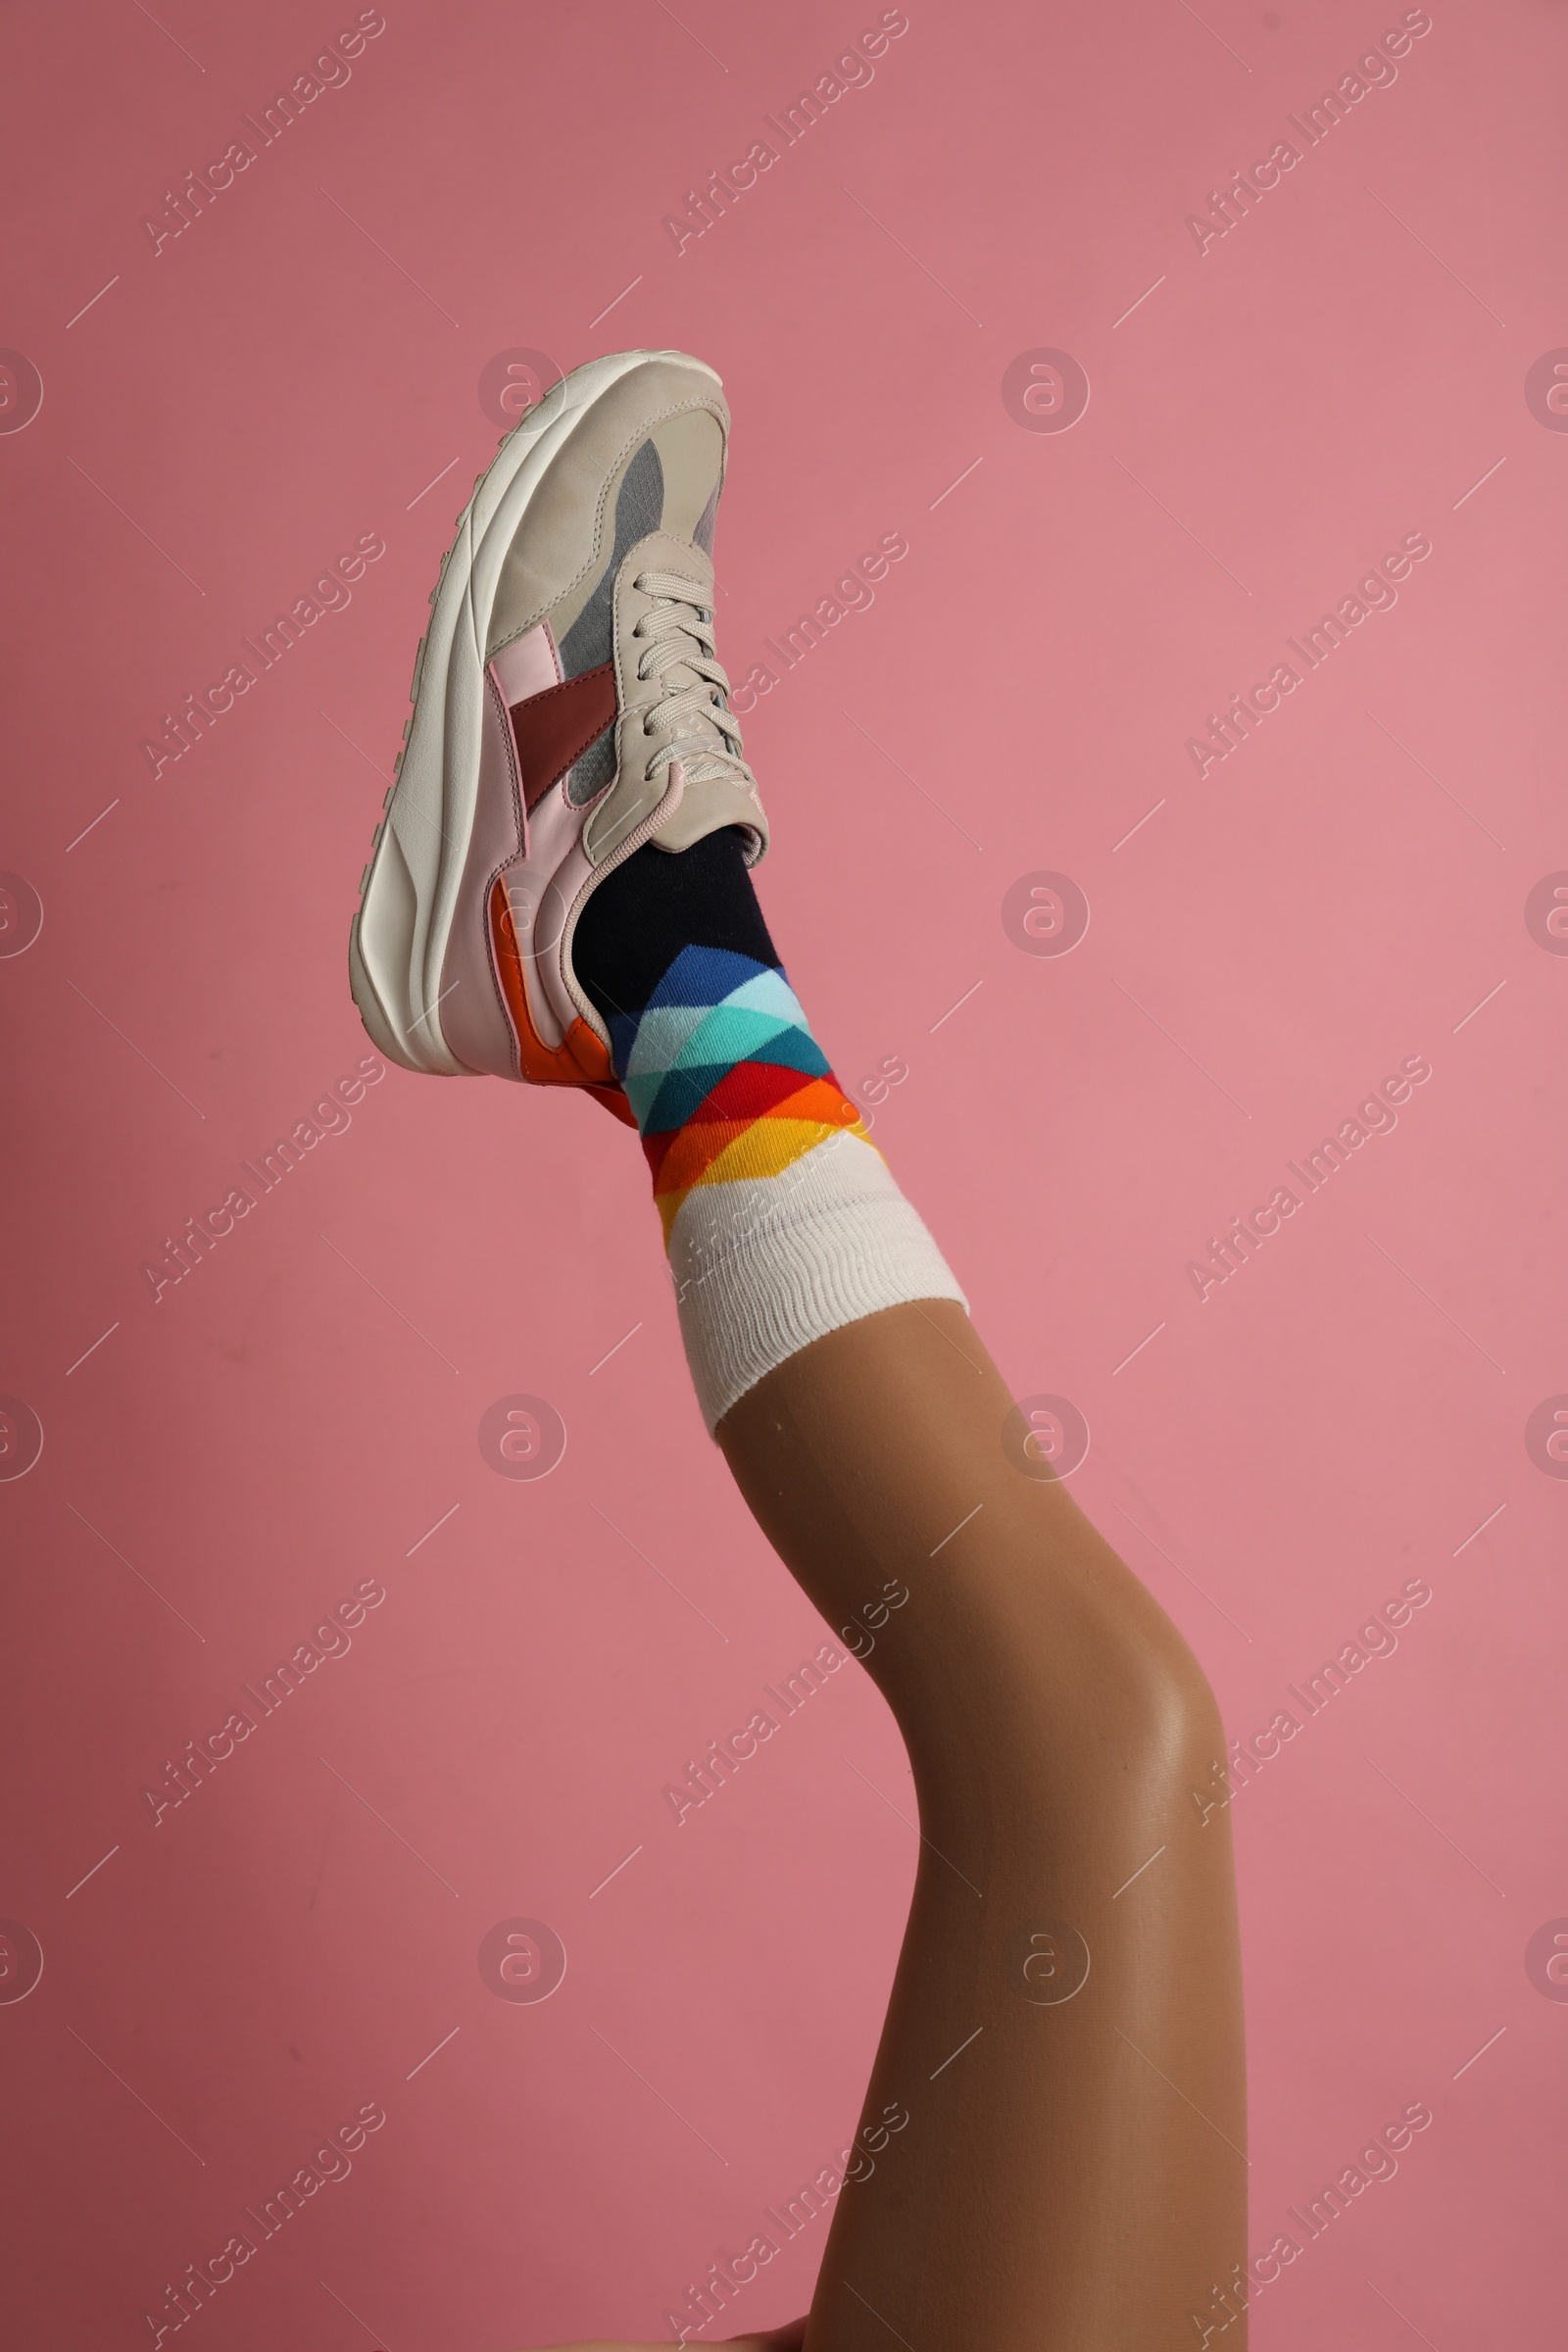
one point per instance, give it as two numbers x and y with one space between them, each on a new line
763 1151
701 1141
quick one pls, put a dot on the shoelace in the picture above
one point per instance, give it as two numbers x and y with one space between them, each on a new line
678 635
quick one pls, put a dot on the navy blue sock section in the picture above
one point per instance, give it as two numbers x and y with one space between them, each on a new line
643 914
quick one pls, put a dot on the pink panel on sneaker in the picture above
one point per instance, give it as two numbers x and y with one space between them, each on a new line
540 887
527 665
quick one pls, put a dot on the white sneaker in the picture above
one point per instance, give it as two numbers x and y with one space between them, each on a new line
567 708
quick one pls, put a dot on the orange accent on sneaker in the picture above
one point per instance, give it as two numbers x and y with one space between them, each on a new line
581 1060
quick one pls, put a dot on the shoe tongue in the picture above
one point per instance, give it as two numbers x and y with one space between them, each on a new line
663 552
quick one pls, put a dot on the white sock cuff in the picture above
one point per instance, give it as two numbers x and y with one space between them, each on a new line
764 1267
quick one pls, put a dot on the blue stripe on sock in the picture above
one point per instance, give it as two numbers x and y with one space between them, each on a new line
703 976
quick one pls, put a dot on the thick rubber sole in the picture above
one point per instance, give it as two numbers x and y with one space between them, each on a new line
407 892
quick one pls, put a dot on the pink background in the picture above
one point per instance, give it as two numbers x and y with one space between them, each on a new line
225 418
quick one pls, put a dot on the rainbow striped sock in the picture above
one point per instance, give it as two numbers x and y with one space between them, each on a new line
781 1219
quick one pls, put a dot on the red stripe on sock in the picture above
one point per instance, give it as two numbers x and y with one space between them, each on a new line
691 1149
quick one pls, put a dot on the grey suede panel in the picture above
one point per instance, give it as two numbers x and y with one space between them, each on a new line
639 508
592 770
590 641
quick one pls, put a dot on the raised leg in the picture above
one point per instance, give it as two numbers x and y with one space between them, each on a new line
1071 2172
1052 2152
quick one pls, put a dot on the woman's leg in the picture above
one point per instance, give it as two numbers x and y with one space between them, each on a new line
1049 2160
1071 2172
562 893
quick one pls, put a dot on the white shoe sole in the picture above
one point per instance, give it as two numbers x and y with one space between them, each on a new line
408 893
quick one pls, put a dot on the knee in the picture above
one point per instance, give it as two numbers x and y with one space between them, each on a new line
1183 1734
1114 1679
1149 1679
